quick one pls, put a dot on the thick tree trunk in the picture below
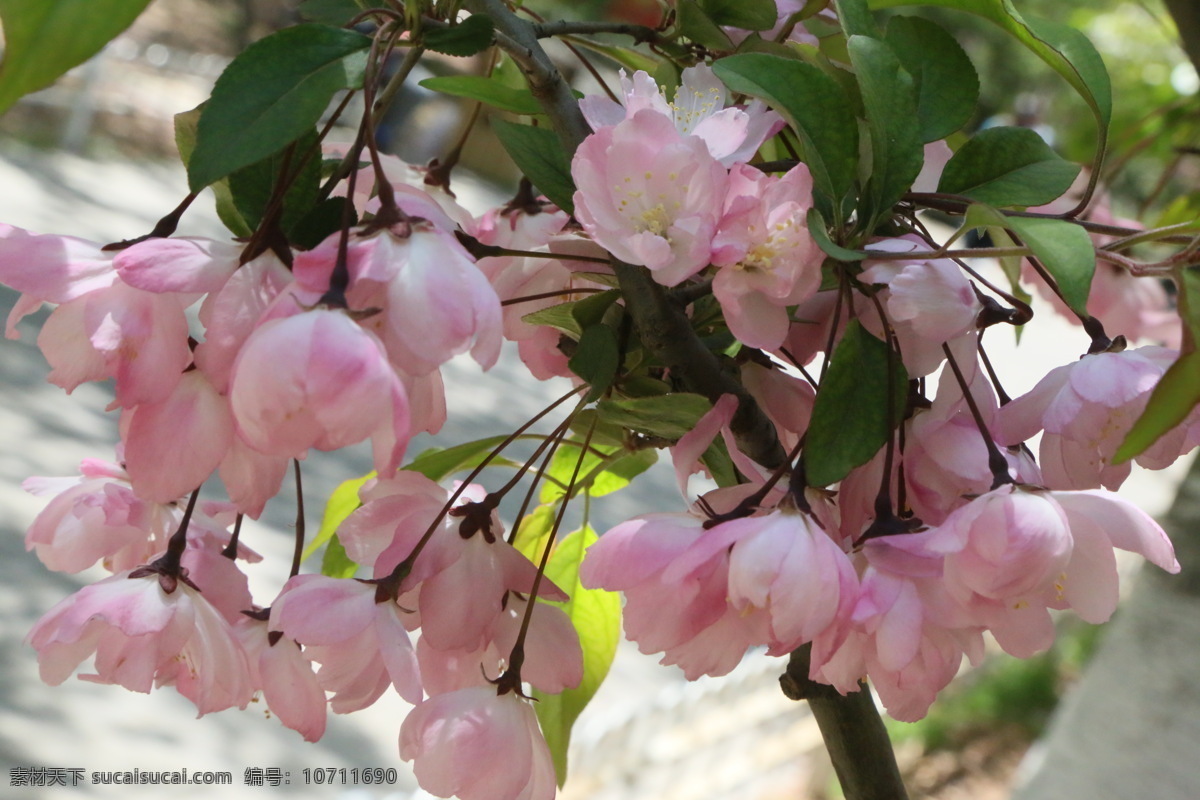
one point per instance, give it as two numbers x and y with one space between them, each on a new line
1131 728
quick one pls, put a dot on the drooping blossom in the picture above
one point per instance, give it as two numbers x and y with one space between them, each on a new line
1085 409
283 673
144 636
432 301
319 380
477 745
358 638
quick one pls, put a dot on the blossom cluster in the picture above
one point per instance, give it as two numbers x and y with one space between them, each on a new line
893 574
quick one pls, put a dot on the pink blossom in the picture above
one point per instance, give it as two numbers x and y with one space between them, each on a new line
285 676
928 303
182 264
650 195
435 303
318 380
1086 408
676 585
477 745
172 446
137 338
553 658
906 632
768 259
144 636
49 268
698 109
230 315
358 638
96 517
783 564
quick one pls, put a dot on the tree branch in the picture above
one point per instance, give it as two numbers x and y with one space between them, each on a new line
519 39
854 734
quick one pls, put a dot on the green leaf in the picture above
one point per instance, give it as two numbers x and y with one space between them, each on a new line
473 35
668 416
341 504
45 38
486 90
1065 49
437 464
573 316
1177 393
534 531
749 15
252 187
815 106
1065 250
1006 167
329 12
596 615
185 141
891 107
944 77
855 18
693 23
596 359
606 468
271 94
539 155
850 413
321 221
816 227
335 563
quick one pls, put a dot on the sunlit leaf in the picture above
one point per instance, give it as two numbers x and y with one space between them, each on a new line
596 615
45 38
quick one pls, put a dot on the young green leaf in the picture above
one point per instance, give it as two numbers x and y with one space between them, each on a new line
891 107
850 417
45 38
1007 166
596 615
815 106
185 141
335 563
539 155
486 90
341 504
271 94
534 531
437 464
668 416
946 84
473 35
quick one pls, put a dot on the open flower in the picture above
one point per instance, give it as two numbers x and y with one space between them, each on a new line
649 195
144 635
